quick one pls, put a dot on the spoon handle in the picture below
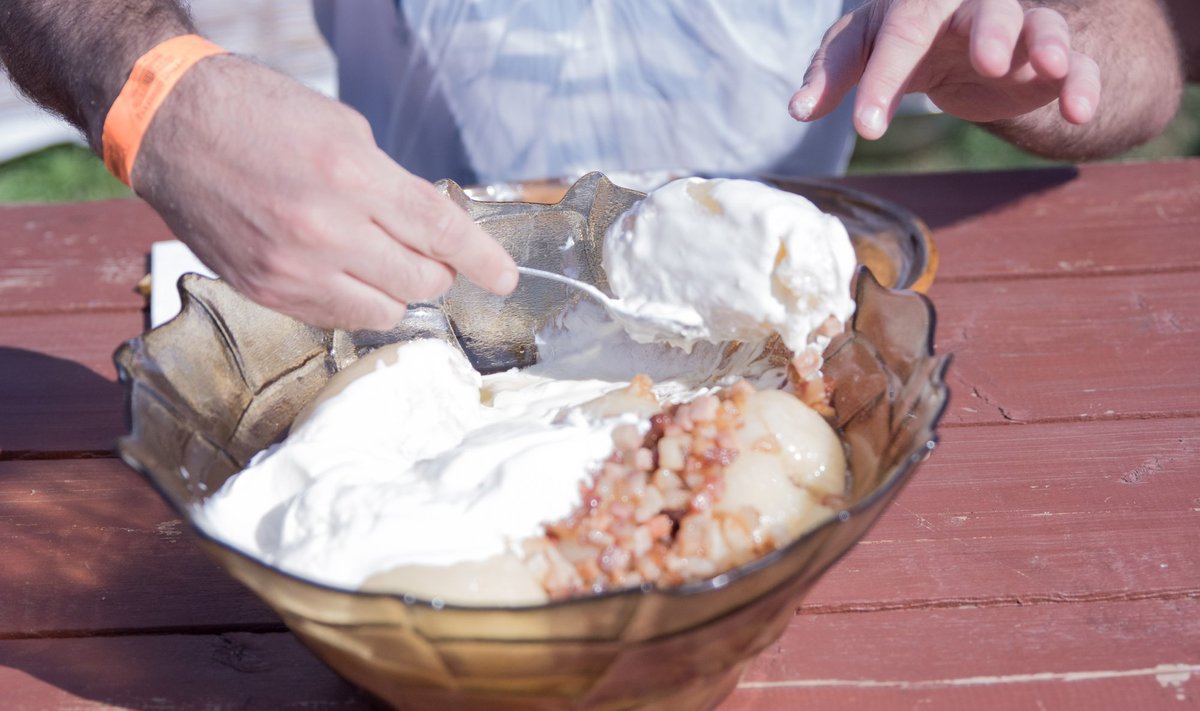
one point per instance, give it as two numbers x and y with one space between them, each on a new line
575 283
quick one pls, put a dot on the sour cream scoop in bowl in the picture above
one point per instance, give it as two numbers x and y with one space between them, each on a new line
744 261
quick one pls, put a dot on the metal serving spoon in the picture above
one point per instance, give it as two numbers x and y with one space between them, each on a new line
636 323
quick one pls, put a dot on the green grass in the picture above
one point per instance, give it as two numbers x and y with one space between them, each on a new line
70 173
941 143
66 173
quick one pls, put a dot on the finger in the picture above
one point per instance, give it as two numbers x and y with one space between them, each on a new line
995 30
901 44
376 259
355 305
425 221
325 299
834 69
1080 94
1048 42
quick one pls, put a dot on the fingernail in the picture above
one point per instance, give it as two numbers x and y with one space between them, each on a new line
1082 107
871 119
993 49
1058 56
505 281
802 107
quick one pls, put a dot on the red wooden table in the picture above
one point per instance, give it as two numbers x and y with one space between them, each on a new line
1047 556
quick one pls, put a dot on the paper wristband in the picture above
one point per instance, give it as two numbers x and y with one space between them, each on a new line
154 75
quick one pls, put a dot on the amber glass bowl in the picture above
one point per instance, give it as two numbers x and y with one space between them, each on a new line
226 377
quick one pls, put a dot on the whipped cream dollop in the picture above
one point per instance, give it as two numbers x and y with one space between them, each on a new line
730 260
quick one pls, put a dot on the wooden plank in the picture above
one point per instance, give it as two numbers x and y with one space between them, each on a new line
1083 655
1094 219
234 670
1021 514
86 339
87 546
58 390
1075 652
1121 689
1101 655
1039 349
79 256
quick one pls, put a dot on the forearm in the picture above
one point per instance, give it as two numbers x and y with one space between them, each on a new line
1141 81
73 57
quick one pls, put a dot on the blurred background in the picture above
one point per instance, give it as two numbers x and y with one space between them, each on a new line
42 159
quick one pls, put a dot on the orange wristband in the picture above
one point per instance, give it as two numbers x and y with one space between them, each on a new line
154 75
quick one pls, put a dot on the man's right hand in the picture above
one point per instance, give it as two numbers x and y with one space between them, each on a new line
284 193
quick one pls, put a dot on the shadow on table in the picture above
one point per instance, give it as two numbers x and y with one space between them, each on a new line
51 406
232 670
974 194
102 595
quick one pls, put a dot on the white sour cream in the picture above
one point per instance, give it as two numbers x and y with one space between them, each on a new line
731 260
408 466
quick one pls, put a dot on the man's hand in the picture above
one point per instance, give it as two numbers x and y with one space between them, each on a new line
283 193
277 188
994 61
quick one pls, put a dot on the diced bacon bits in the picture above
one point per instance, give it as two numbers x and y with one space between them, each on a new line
648 515
807 383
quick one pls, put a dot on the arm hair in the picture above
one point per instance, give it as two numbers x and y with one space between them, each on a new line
73 57
1141 74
